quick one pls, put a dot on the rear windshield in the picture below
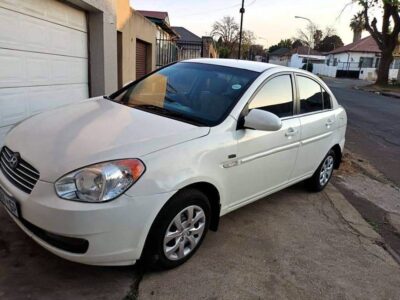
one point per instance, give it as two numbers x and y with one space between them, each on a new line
201 94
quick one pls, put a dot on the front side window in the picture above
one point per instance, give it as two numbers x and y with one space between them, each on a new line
276 96
310 95
201 94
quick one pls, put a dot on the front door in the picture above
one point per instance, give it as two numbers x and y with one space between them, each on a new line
266 159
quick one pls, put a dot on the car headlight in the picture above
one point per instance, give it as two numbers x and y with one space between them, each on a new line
100 182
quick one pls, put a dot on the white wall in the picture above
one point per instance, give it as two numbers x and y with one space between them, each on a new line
352 57
296 61
368 74
393 73
324 70
279 61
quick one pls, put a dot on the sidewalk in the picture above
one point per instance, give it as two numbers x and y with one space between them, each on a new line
393 92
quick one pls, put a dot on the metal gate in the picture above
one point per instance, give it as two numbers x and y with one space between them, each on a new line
169 51
189 50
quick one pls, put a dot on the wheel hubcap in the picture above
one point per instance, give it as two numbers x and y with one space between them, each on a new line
184 232
326 170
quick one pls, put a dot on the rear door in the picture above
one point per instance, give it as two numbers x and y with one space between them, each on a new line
318 122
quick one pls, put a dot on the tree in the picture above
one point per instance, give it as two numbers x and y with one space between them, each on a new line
227 32
256 50
296 44
248 39
329 43
318 36
307 36
284 43
357 24
387 37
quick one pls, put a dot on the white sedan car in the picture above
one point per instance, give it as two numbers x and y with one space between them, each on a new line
145 172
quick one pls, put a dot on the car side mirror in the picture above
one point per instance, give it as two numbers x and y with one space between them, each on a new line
262 120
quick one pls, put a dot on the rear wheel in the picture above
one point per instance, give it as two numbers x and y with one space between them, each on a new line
323 174
179 229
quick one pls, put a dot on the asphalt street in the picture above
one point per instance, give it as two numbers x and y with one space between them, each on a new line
373 125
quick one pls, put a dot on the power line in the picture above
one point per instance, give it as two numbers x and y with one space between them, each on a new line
214 10
208 11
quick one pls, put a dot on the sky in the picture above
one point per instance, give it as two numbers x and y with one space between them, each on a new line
270 20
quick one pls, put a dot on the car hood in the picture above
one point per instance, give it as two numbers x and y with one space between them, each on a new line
65 139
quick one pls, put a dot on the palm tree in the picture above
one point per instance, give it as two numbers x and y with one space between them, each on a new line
357 24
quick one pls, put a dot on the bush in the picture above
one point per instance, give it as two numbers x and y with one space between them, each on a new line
309 68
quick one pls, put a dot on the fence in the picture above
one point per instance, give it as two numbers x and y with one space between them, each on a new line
188 50
169 51
324 70
166 52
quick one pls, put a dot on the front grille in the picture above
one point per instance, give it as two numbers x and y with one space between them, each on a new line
21 174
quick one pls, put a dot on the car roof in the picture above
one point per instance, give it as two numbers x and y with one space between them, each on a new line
234 63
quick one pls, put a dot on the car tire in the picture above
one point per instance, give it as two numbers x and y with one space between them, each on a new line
173 238
323 174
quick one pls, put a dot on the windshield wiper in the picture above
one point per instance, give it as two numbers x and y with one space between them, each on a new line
107 97
168 113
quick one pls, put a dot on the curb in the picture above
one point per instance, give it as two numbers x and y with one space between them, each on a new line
382 93
357 223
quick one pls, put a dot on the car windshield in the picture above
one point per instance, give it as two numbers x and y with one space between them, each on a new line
197 93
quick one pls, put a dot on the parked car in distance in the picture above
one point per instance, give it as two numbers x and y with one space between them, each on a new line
145 172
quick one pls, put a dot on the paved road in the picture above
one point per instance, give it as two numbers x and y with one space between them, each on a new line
374 126
291 245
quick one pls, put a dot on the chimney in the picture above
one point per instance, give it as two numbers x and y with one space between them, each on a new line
357 36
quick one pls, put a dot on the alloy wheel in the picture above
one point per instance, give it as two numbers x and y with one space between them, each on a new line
326 170
184 232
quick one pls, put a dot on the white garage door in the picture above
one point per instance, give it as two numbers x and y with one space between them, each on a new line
43 58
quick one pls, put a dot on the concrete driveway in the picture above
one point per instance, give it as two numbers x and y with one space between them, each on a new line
292 245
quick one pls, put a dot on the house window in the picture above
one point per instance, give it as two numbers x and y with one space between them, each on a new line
335 62
395 64
366 62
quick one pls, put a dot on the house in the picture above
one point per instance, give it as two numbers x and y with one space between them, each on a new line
295 58
356 60
302 55
280 56
192 46
166 47
53 53
189 45
136 43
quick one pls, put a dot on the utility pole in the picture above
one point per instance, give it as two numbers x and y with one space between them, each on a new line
242 10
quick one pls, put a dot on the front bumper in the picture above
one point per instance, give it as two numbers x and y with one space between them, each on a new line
115 231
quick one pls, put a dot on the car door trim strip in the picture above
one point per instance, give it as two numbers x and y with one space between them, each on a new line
316 138
252 157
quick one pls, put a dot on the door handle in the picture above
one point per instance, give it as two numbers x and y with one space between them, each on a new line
329 122
291 132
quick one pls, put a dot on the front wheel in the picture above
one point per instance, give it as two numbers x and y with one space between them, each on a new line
179 229
323 174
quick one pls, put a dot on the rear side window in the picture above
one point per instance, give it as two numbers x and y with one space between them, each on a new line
276 96
313 97
310 95
327 99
